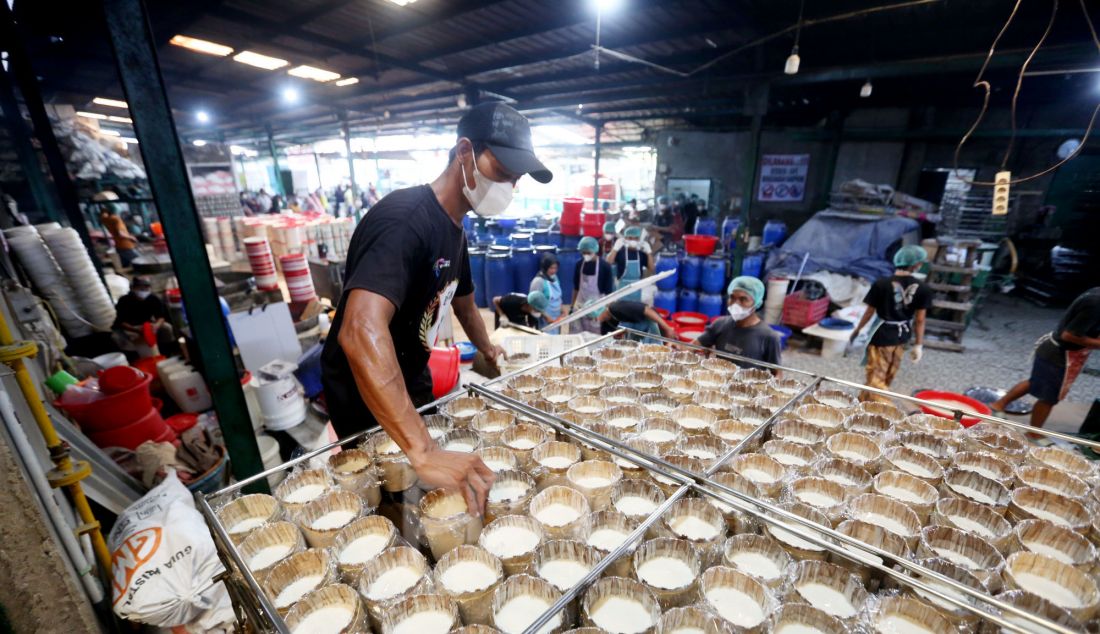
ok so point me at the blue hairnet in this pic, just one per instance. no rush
(633, 232)
(910, 256)
(750, 285)
(537, 300)
(588, 244)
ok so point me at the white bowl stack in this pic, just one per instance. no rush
(47, 276)
(68, 251)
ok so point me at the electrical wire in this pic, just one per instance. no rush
(1020, 82)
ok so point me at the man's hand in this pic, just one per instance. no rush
(916, 352)
(494, 354)
(855, 333)
(458, 471)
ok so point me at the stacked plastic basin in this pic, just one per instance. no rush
(121, 414)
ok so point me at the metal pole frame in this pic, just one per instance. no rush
(136, 55)
(28, 158)
(596, 167)
(351, 161)
(279, 189)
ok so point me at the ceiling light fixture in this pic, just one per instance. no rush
(291, 95)
(385, 114)
(347, 81)
(198, 143)
(90, 115)
(461, 101)
(402, 3)
(866, 89)
(201, 46)
(314, 73)
(793, 60)
(120, 119)
(114, 103)
(202, 116)
(259, 61)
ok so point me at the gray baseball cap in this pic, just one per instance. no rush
(508, 134)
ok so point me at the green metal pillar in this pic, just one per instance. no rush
(28, 158)
(757, 102)
(136, 56)
(275, 161)
(596, 172)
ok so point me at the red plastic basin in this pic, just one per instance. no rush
(696, 244)
(952, 397)
(688, 319)
(150, 427)
(114, 410)
(119, 379)
(689, 335)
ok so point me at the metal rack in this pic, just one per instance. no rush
(246, 591)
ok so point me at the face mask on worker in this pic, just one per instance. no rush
(739, 312)
(589, 257)
(633, 244)
(608, 237)
(488, 198)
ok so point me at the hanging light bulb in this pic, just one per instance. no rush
(865, 89)
(793, 60)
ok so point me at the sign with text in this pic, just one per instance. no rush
(782, 177)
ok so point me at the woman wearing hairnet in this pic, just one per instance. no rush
(592, 280)
(631, 260)
(547, 283)
(893, 302)
(742, 332)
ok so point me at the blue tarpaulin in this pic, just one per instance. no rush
(841, 242)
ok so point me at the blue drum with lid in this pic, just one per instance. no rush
(540, 236)
(477, 274)
(775, 232)
(711, 304)
(521, 239)
(729, 230)
(498, 275)
(525, 266)
(706, 227)
(753, 264)
(688, 301)
(665, 300)
(554, 238)
(691, 269)
(713, 279)
(667, 260)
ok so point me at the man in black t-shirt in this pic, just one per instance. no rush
(519, 309)
(407, 262)
(895, 301)
(135, 309)
(1059, 357)
(636, 315)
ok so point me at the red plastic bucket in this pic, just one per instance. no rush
(952, 397)
(699, 244)
(687, 319)
(443, 364)
(149, 427)
(571, 211)
(592, 223)
(116, 410)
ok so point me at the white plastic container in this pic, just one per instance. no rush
(281, 403)
(189, 391)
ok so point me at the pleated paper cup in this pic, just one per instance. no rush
(422, 614)
(909, 490)
(684, 462)
(685, 358)
(298, 575)
(864, 423)
(974, 518)
(694, 419)
(620, 606)
(551, 460)
(829, 588)
(854, 478)
(1035, 605)
(734, 431)
(927, 444)
(715, 401)
(967, 550)
(613, 371)
(669, 370)
(1058, 542)
(581, 362)
(794, 457)
(617, 395)
(1005, 446)
(829, 419)
(446, 521)
(323, 518)
(396, 574)
(802, 618)
(245, 514)
(475, 629)
(704, 447)
(1031, 503)
(690, 619)
(437, 425)
(886, 410)
(759, 556)
(944, 428)
(662, 432)
(659, 404)
(971, 486)
(469, 575)
(1062, 460)
(872, 535)
(736, 520)
(753, 375)
(914, 463)
(513, 539)
(589, 407)
(838, 399)
(984, 464)
(905, 614)
(594, 479)
(963, 619)
(498, 458)
(737, 598)
(632, 467)
(824, 495)
(858, 448)
(799, 432)
(751, 414)
(727, 369)
(270, 544)
(709, 379)
(609, 353)
(787, 387)
(605, 531)
(520, 600)
(670, 569)
(332, 608)
(657, 349)
(558, 394)
(744, 394)
(636, 499)
(301, 488)
(645, 381)
(788, 533)
(563, 563)
(625, 417)
(554, 374)
(640, 361)
(590, 451)
(763, 471)
(353, 470)
(360, 542)
(463, 409)
(887, 513)
(461, 440)
(1049, 479)
(561, 511)
(700, 523)
(510, 494)
(490, 425)
(527, 384)
(522, 439)
(397, 474)
(1061, 584)
(769, 402)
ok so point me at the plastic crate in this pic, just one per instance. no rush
(522, 351)
(800, 312)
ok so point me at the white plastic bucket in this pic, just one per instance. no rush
(269, 454)
(189, 391)
(281, 403)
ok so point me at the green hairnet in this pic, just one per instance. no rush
(750, 285)
(609, 227)
(909, 256)
(633, 232)
(588, 244)
(537, 300)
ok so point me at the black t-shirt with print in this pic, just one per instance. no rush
(512, 306)
(896, 299)
(408, 250)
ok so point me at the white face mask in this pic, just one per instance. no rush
(488, 198)
(589, 257)
(739, 312)
(142, 294)
(633, 244)
(608, 237)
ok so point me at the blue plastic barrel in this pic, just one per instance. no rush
(567, 264)
(530, 223)
(691, 269)
(666, 260)
(688, 301)
(711, 304)
(706, 227)
(477, 273)
(665, 300)
(502, 240)
(493, 227)
(468, 222)
(508, 225)
(498, 275)
(570, 242)
(554, 237)
(753, 264)
(525, 266)
(713, 278)
(729, 229)
(540, 236)
(775, 232)
(521, 239)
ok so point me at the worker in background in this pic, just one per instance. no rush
(406, 263)
(630, 259)
(133, 311)
(669, 224)
(592, 280)
(634, 315)
(1059, 357)
(742, 332)
(610, 237)
(894, 302)
(519, 309)
(547, 283)
(263, 201)
(125, 242)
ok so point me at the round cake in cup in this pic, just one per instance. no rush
(1034, 604)
(605, 531)
(905, 614)
(824, 495)
(887, 513)
(689, 620)
(298, 575)
(520, 600)
(759, 556)
(670, 568)
(829, 588)
(301, 488)
(270, 544)
(245, 514)
(551, 460)
(800, 618)
(469, 575)
(966, 550)
(790, 534)
(636, 499)
(446, 521)
(510, 494)
(849, 475)
(963, 619)
(871, 535)
(620, 606)
(594, 479)
(1061, 584)
(354, 470)
(513, 539)
(332, 608)
(361, 541)
(421, 614)
(700, 524)
(560, 510)
(324, 517)
(1032, 503)
(911, 491)
(498, 458)
(463, 409)
(974, 518)
(984, 464)
(1058, 542)
(739, 599)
